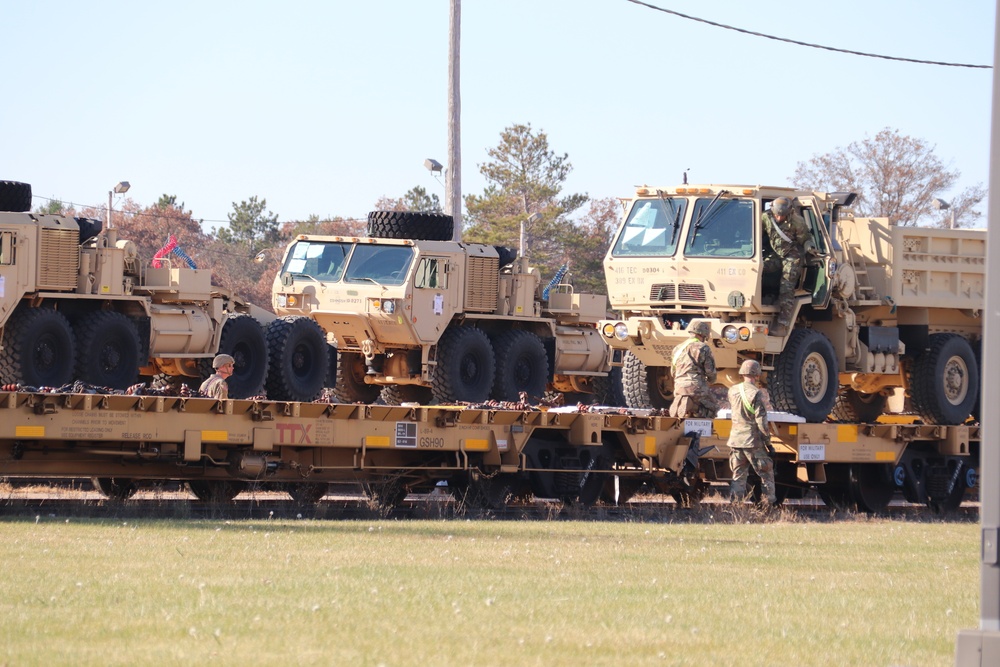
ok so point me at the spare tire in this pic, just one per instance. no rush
(410, 225)
(15, 197)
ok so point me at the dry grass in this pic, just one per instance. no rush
(378, 592)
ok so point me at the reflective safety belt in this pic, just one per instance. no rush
(679, 350)
(777, 228)
(746, 403)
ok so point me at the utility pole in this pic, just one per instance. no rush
(981, 648)
(453, 175)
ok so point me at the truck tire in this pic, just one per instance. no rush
(609, 389)
(409, 225)
(16, 197)
(805, 378)
(646, 387)
(351, 386)
(944, 380)
(38, 349)
(299, 359)
(108, 350)
(857, 407)
(465, 366)
(244, 339)
(397, 394)
(521, 365)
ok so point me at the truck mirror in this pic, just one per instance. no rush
(286, 279)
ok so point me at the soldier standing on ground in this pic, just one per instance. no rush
(215, 386)
(693, 370)
(790, 241)
(750, 438)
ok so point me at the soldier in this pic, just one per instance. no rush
(750, 439)
(790, 241)
(215, 386)
(693, 370)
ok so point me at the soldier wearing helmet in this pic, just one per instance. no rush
(215, 386)
(750, 438)
(790, 241)
(693, 369)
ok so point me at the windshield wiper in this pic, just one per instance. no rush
(677, 218)
(706, 213)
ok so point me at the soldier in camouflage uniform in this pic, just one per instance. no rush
(693, 370)
(790, 241)
(750, 439)
(215, 386)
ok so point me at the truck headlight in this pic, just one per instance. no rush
(615, 330)
(730, 333)
(388, 306)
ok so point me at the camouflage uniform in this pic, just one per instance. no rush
(748, 440)
(693, 369)
(215, 387)
(788, 256)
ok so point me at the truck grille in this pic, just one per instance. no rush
(672, 292)
(482, 289)
(59, 256)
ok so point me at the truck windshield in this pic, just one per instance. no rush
(722, 229)
(652, 228)
(316, 259)
(385, 265)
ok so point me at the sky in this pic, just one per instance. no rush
(324, 107)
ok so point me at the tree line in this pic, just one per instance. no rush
(895, 176)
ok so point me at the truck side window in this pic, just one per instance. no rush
(431, 273)
(7, 248)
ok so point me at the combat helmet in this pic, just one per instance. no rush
(221, 360)
(699, 328)
(750, 367)
(781, 206)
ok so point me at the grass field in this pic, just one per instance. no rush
(400, 593)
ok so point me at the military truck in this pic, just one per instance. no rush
(879, 310)
(76, 302)
(417, 317)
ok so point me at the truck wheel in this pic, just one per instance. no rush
(351, 386)
(115, 488)
(646, 386)
(805, 378)
(410, 225)
(16, 197)
(244, 339)
(855, 406)
(107, 343)
(38, 349)
(465, 366)
(944, 381)
(521, 365)
(609, 389)
(397, 394)
(299, 359)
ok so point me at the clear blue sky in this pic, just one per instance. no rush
(323, 107)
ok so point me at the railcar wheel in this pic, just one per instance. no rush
(307, 493)
(38, 348)
(646, 386)
(245, 340)
(944, 381)
(871, 487)
(116, 488)
(857, 407)
(627, 488)
(299, 359)
(521, 365)
(351, 387)
(804, 381)
(465, 366)
(385, 495)
(216, 490)
(107, 344)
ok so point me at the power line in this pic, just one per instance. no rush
(813, 46)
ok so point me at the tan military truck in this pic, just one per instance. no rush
(419, 317)
(77, 303)
(879, 308)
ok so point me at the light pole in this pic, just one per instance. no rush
(119, 189)
(942, 205)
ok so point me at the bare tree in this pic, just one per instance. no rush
(896, 177)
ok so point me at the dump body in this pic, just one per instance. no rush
(407, 313)
(873, 301)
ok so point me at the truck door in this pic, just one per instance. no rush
(818, 272)
(432, 301)
(10, 295)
